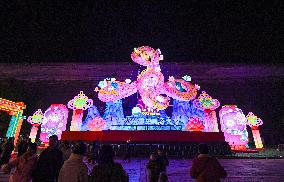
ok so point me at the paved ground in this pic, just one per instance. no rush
(239, 170)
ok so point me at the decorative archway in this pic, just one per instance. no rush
(15, 109)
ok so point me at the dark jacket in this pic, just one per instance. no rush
(22, 148)
(207, 169)
(164, 162)
(7, 151)
(154, 169)
(111, 172)
(48, 166)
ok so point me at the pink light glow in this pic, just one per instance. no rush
(194, 124)
(97, 124)
(55, 120)
(233, 124)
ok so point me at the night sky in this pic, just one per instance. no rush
(97, 31)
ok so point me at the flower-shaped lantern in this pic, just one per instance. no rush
(78, 104)
(36, 119)
(254, 122)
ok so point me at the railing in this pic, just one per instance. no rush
(151, 127)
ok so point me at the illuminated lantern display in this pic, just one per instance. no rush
(206, 103)
(194, 124)
(54, 122)
(15, 109)
(254, 122)
(97, 124)
(233, 124)
(111, 90)
(36, 119)
(150, 83)
(78, 104)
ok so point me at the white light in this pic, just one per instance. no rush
(102, 84)
(127, 80)
(186, 78)
(136, 110)
(160, 98)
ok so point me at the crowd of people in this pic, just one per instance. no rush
(66, 162)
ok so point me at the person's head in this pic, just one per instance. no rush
(153, 156)
(11, 140)
(32, 148)
(80, 148)
(53, 141)
(106, 154)
(26, 138)
(66, 144)
(160, 151)
(203, 148)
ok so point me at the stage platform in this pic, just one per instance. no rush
(120, 136)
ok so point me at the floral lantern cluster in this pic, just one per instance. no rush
(194, 124)
(97, 124)
(207, 104)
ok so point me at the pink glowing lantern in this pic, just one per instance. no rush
(97, 124)
(194, 124)
(55, 120)
(254, 122)
(233, 124)
(78, 104)
(36, 119)
(206, 103)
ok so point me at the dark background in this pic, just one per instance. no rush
(96, 31)
(219, 32)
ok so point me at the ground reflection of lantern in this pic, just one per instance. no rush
(233, 124)
(55, 120)
(36, 119)
(78, 104)
(194, 124)
(254, 122)
(97, 124)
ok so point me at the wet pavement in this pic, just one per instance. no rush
(239, 170)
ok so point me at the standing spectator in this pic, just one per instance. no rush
(163, 160)
(49, 162)
(8, 147)
(205, 167)
(23, 145)
(127, 155)
(163, 177)
(154, 168)
(25, 164)
(74, 169)
(95, 150)
(107, 170)
(65, 149)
